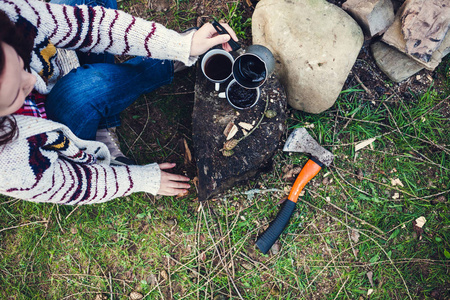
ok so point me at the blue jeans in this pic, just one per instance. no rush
(93, 95)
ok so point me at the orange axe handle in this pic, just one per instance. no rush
(276, 227)
(308, 172)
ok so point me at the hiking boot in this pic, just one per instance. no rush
(178, 66)
(108, 137)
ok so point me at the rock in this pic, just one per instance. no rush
(394, 37)
(374, 16)
(395, 64)
(315, 44)
(424, 26)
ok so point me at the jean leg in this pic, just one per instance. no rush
(91, 94)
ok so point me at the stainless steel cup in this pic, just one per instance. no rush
(252, 68)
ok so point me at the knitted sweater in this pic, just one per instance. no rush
(48, 163)
(90, 29)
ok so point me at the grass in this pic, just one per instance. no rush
(351, 234)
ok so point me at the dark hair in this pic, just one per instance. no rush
(15, 37)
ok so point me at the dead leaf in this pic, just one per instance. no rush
(275, 291)
(282, 200)
(73, 230)
(136, 296)
(292, 173)
(275, 248)
(360, 174)
(182, 194)
(100, 297)
(164, 275)
(370, 292)
(354, 235)
(396, 181)
(286, 168)
(396, 196)
(418, 230)
(370, 277)
(187, 153)
(364, 144)
(152, 279)
(195, 182)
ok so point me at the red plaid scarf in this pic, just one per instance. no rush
(34, 105)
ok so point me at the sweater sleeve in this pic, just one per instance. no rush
(98, 30)
(39, 175)
(46, 163)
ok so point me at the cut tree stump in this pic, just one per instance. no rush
(211, 115)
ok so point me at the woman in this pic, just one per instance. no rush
(56, 159)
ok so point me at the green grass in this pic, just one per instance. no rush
(352, 231)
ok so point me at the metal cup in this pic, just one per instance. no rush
(240, 97)
(217, 66)
(252, 68)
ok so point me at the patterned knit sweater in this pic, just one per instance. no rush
(90, 29)
(47, 162)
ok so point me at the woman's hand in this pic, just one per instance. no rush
(207, 37)
(172, 184)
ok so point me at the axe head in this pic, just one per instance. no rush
(301, 141)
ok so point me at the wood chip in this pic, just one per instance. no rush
(364, 144)
(227, 129)
(246, 126)
(232, 133)
(136, 296)
(420, 221)
(354, 235)
(187, 151)
(396, 181)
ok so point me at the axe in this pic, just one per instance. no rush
(298, 141)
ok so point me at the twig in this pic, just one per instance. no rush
(168, 276)
(110, 287)
(343, 285)
(349, 214)
(76, 207)
(390, 260)
(217, 250)
(58, 217)
(350, 240)
(362, 84)
(22, 225)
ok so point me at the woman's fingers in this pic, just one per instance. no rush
(207, 37)
(172, 184)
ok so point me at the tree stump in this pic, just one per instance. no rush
(212, 114)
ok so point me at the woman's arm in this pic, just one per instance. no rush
(96, 29)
